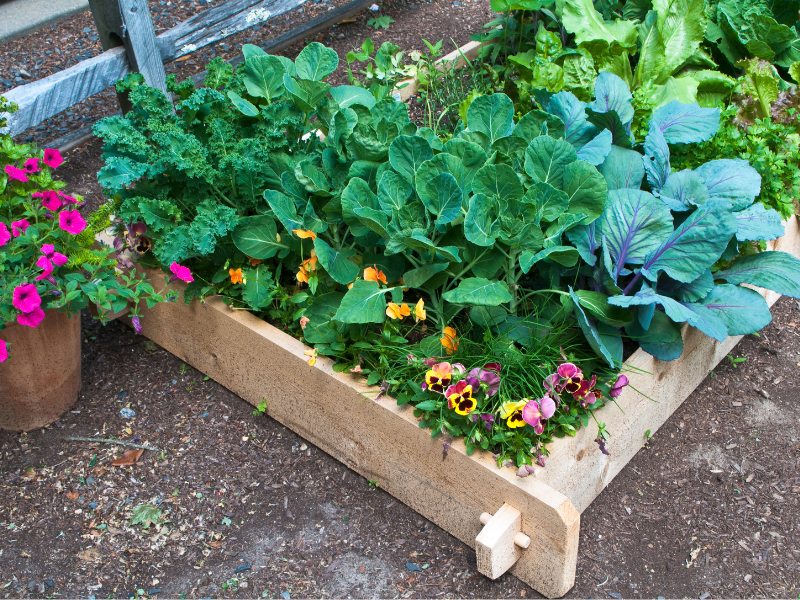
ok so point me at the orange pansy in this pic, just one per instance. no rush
(449, 340)
(236, 275)
(393, 311)
(304, 234)
(373, 274)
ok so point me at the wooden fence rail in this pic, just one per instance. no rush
(141, 51)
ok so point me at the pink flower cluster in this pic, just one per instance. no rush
(52, 158)
(29, 303)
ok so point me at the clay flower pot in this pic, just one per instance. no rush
(42, 378)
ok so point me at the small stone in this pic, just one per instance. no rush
(90, 480)
(31, 585)
(285, 595)
(413, 567)
(49, 583)
(127, 413)
(154, 591)
(747, 578)
(303, 447)
(242, 568)
(92, 505)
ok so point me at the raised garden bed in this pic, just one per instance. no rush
(383, 442)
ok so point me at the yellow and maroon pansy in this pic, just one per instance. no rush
(438, 378)
(459, 398)
(512, 413)
(571, 377)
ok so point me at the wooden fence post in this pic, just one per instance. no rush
(128, 23)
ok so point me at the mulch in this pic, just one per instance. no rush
(246, 508)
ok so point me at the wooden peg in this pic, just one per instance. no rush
(501, 541)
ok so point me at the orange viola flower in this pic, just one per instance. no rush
(255, 261)
(374, 274)
(304, 234)
(305, 269)
(449, 340)
(312, 354)
(236, 275)
(393, 311)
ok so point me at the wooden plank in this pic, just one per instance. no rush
(409, 87)
(377, 439)
(219, 22)
(578, 469)
(139, 38)
(495, 549)
(42, 99)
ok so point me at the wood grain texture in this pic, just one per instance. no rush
(219, 22)
(409, 87)
(377, 439)
(42, 99)
(578, 469)
(139, 38)
(495, 549)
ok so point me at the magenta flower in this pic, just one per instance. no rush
(15, 173)
(19, 227)
(615, 390)
(26, 298)
(179, 272)
(4, 234)
(3, 350)
(488, 420)
(71, 221)
(430, 362)
(49, 251)
(137, 326)
(489, 376)
(572, 377)
(540, 459)
(601, 441)
(548, 406)
(31, 319)
(50, 199)
(532, 415)
(52, 158)
(526, 470)
(68, 198)
(32, 165)
(552, 384)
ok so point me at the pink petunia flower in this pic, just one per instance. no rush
(4, 234)
(58, 259)
(50, 199)
(179, 272)
(68, 198)
(19, 227)
(15, 173)
(31, 319)
(52, 158)
(32, 165)
(3, 351)
(71, 221)
(26, 298)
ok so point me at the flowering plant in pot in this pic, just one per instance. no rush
(49, 264)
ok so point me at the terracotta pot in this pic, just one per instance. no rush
(42, 377)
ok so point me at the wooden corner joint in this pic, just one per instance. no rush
(501, 541)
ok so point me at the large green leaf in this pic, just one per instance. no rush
(498, 180)
(480, 225)
(258, 289)
(477, 291)
(245, 107)
(536, 123)
(597, 304)
(258, 237)
(580, 18)
(284, 210)
(348, 95)
(758, 224)
(681, 25)
(742, 310)
(776, 271)
(623, 168)
(566, 256)
(264, 76)
(316, 62)
(733, 180)
(365, 302)
(443, 198)
(442, 163)
(320, 329)
(586, 189)
(393, 192)
(336, 263)
(306, 94)
(663, 339)
(492, 116)
(358, 195)
(546, 160)
(651, 53)
(593, 336)
(548, 202)
(407, 153)
(416, 278)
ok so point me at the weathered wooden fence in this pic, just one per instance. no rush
(130, 43)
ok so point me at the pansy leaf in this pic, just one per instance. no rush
(480, 224)
(611, 121)
(695, 245)
(443, 198)
(593, 336)
(612, 94)
(586, 189)
(477, 291)
(336, 263)
(756, 223)
(776, 271)
(684, 190)
(572, 112)
(634, 224)
(498, 180)
(407, 153)
(596, 151)
(546, 159)
(731, 179)
(685, 123)
(623, 168)
(662, 339)
(491, 115)
(742, 310)
(365, 302)
(257, 237)
(656, 159)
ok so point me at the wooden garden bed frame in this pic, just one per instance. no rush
(383, 441)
